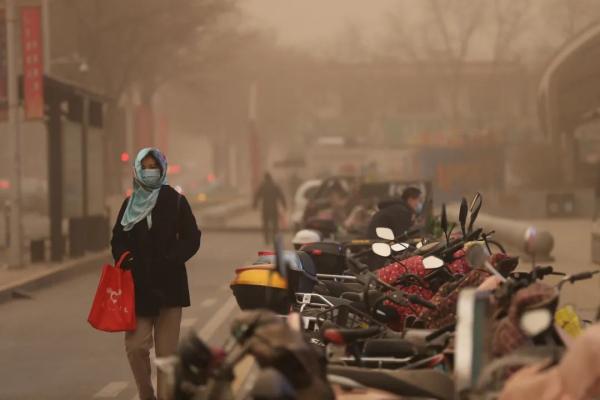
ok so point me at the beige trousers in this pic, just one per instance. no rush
(165, 329)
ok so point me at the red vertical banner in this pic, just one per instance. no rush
(3, 69)
(33, 70)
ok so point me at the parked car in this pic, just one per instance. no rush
(360, 189)
(304, 193)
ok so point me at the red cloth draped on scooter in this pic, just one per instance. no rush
(414, 265)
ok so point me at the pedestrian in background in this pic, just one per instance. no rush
(157, 226)
(397, 214)
(271, 197)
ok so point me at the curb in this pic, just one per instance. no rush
(55, 274)
(514, 233)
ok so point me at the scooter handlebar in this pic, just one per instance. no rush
(408, 233)
(541, 272)
(582, 276)
(418, 300)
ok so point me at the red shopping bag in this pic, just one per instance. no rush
(113, 309)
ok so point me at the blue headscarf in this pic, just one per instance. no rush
(144, 196)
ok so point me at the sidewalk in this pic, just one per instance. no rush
(248, 221)
(243, 220)
(21, 282)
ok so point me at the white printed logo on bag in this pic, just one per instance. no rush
(113, 302)
(114, 294)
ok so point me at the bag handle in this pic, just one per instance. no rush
(122, 258)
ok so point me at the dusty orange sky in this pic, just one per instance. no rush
(308, 21)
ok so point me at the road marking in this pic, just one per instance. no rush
(208, 302)
(225, 288)
(188, 322)
(209, 329)
(111, 390)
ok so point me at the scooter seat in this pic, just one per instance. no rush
(348, 335)
(429, 384)
(337, 288)
(417, 335)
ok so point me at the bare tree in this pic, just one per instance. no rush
(133, 43)
(455, 24)
(349, 46)
(138, 41)
(579, 13)
(509, 19)
(441, 36)
(449, 33)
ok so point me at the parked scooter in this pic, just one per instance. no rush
(289, 367)
(521, 328)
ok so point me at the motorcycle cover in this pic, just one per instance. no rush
(446, 297)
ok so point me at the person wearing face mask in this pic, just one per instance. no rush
(158, 229)
(397, 214)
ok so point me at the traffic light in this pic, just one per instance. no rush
(174, 169)
(125, 157)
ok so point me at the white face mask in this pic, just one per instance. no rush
(419, 207)
(151, 177)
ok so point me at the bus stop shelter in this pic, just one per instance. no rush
(74, 122)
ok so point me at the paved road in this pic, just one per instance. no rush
(48, 351)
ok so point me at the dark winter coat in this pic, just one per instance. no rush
(271, 196)
(394, 214)
(160, 253)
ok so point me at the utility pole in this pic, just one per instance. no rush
(16, 227)
(254, 137)
(46, 36)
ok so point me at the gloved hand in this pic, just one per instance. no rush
(127, 264)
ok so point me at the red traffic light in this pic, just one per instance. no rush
(174, 169)
(124, 156)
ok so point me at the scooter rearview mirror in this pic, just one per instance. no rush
(462, 216)
(475, 207)
(381, 249)
(385, 233)
(397, 247)
(444, 221)
(534, 322)
(476, 256)
(433, 262)
(476, 202)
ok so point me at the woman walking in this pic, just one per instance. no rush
(157, 226)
